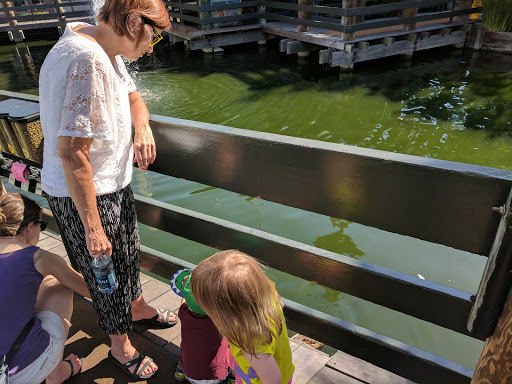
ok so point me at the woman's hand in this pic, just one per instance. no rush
(144, 146)
(97, 243)
(143, 141)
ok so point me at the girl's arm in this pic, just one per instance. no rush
(280, 300)
(265, 366)
(48, 263)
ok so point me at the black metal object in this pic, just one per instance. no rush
(438, 304)
(496, 281)
(379, 350)
(434, 200)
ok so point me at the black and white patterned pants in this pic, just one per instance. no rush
(119, 220)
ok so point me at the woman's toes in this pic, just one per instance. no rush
(75, 360)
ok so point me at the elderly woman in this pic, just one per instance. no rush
(36, 288)
(88, 105)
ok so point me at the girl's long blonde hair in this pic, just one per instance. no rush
(232, 289)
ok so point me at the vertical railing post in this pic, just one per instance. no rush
(495, 364)
(62, 18)
(464, 4)
(351, 20)
(304, 16)
(406, 13)
(496, 281)
(15, 34)
(204, 15)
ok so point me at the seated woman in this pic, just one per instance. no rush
(34, 284)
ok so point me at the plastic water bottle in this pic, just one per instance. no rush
(103, 268)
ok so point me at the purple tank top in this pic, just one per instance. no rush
(19, 284)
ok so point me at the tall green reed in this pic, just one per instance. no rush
(497, 15)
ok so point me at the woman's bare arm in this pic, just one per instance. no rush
(48, 263)
(74, 152)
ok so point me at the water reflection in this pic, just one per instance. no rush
(338, 241)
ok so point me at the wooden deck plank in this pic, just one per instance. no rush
(49, 243)
(308, 362)
(144, 278)
(362, 370)
(153, 289)
(60, 250)
(330, 376)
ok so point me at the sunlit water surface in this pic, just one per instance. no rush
(452, 107)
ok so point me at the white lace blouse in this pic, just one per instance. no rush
(82, 95)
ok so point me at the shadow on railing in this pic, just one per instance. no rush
(462, 206)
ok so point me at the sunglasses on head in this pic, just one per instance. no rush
(156, 37)
(157, 33)
(43, 224)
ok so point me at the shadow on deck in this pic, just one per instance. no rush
(86, 339)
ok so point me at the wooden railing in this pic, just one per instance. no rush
(17, 19)
(347, 19)
(463, 206)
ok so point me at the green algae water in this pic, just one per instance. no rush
(447, 106)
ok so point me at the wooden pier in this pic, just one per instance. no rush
(163, 345)
(343, 34)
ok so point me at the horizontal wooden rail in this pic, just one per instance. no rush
(391, 7)
(217, 7)
(380, 23)
(213, 7)
(37, 7)
(382, 351)
(434, 200)
(192, 19)
(310, 23)
(47, 16)
(435, 303)
(245, 16)
(187, 6)
(306, 8)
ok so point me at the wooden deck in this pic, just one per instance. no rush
(312, 366)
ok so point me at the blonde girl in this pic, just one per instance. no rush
(245, 307)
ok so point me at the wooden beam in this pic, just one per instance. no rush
(495, 364)
(227, 39)
(294, 47)
(283, 44)
(391, 48)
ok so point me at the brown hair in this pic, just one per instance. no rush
(16, 212)
(152, 12)
(241, 301)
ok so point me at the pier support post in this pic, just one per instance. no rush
(304, 16)
(495, 363)
(351, 20)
